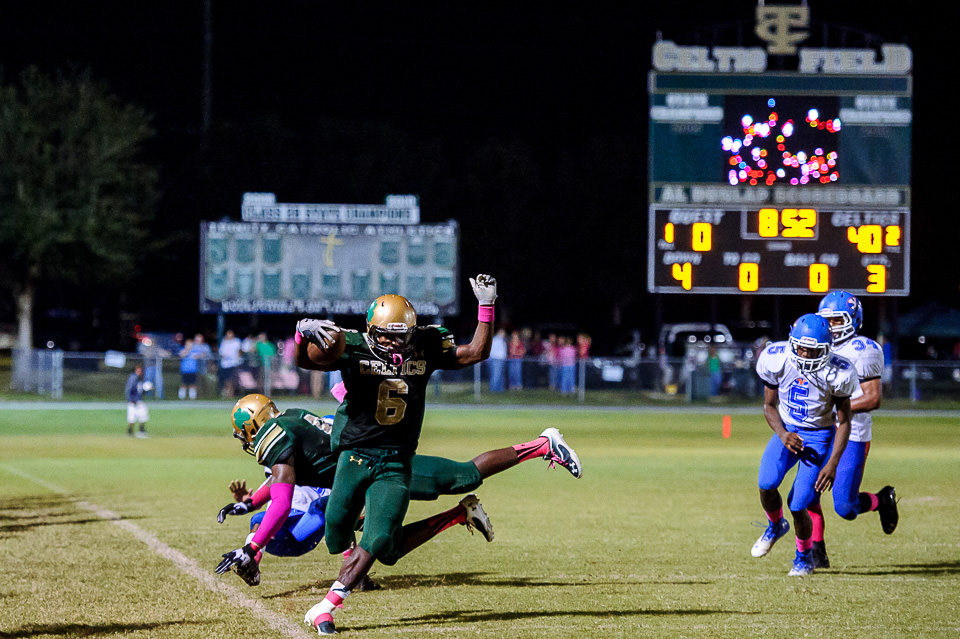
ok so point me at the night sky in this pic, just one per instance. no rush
(527, 124)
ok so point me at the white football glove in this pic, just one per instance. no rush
(485, 288)
(317, 331)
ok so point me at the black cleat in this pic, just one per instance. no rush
(367, 584)
(820, 559)
(326, 628)
(887, 507)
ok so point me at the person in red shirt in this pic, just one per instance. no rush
(516, 350)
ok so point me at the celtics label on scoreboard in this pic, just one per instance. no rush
(777, 251)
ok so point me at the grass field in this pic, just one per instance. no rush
(102, 535)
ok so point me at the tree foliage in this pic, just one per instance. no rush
(75, 196)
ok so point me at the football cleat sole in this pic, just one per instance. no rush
(476, 517)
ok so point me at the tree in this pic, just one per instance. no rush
(75, 197)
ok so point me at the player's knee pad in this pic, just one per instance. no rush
(846, 509)
(384, 548)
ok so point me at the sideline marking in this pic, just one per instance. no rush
(185, 564)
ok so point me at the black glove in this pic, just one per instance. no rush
(236, 508)
(249, 573)
(241, 557)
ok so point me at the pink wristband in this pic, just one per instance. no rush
(485, 314)
(339, 392)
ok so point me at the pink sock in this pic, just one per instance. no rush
(816, 516)
(804, 545)
(439, 523)
(537, 448)
(874, 500)
(775, 515)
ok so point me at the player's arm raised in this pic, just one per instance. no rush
(485, 289)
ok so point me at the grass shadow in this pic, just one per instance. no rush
(925, 569)
(90, 630)
(403, 582)
(481, 616)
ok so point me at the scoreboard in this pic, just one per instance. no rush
(782, 183)
(780, 250)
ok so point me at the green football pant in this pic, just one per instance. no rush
(382, 486)
(435, 476)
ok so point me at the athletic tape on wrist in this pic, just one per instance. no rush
(485, 313)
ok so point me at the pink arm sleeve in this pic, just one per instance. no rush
(261, 495)
(281, 496)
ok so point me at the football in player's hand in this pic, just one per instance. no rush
(328, 351)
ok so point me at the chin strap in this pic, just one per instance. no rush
(397, 359)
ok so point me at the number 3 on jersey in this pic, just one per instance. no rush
(390, 407)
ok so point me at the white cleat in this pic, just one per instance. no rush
(477, 517)
(561, 453)
(324, 627)
(775, 530)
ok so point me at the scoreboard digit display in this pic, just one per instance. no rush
(783, 183)
(779, 250)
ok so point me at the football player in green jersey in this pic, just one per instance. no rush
(377, 427)
(294, 445)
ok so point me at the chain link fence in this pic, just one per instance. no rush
(58, 374)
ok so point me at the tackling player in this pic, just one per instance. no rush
(301, 439)
(804, 383)
(845, 314)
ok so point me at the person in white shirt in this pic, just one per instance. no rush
(231, 356)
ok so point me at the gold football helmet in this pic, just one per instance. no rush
(391, 322)
(249, 414)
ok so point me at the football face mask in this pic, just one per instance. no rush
(846, 307)
(249, 414)
(810, 340)
(391, 322)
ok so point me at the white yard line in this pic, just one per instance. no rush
(186, 565)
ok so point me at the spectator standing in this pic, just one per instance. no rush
(499, 350)
(188, 371)
(230, 352)
(550, 359)
(266, 352)
(137, 413)
(567, 363)
(204, 355)
(716, 371)
(516, 350)
(583, 345)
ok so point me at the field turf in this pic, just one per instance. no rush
(102, 535)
